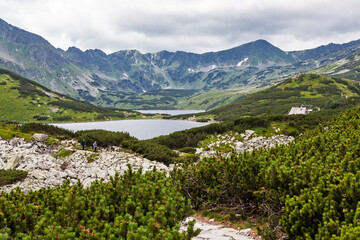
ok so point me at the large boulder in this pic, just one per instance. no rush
(13, 162)
(40, 137)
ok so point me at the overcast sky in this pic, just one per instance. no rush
(188, 25)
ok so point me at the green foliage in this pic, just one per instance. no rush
(310, 187)
(202, 120)
(131, 206)
(11, 176)
(75, 105)
(25, 100)
(187, 150)
(331, 104)
(63, 153)
(93, 157)
(308, 89)
(151, 150)
(188, 158)
(47, 129)
(40, 117)
(102, 137)
(10, 130)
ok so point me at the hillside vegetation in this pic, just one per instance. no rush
(308, 189)
(24, 100)
(135, 205)
(316, 91)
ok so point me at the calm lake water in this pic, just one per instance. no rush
(139, 128)
(170, 112)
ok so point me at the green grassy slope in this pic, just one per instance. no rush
(24, 100)
(305, 89)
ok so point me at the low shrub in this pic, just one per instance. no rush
(151, 150)
(63, 153)
(60, 133)
(102, 137)
(93, 157)
(190, 158)
(202, 120)
(63, 118)
(41, 117)
(11, 176)
(188, 150)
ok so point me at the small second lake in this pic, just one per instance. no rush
(171, 112)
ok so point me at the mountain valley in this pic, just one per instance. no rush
(131, 79)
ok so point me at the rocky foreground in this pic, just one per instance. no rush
(44, 170)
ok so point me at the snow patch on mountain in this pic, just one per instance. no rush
(242, 62)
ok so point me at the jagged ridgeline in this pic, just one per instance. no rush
(312, 90)
(310, 188)
(132, 206)
(24, 100)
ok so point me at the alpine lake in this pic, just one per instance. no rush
(140, 128)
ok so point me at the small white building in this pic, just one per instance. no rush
(300, 110)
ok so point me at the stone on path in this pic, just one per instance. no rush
(215, 232)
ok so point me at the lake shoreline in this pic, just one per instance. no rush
(139, 128)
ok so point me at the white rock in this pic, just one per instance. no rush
(40, 137)
(13, 162)
(62, 174)
(102, 174)
(249, 132)
(40, 175)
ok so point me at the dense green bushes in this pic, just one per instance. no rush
(151, 150)
(47, 129)
(11, 176)
(102, 137)
(311, 187)
(131, 206)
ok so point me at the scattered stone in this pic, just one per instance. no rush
(250, 142)
(40, 137)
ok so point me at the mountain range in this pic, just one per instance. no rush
(131, 79)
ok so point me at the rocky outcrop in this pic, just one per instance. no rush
(240, 143)
(47, 171)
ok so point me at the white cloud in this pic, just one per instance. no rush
(188, 25)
